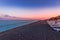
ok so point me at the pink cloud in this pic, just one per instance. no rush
(8, 17)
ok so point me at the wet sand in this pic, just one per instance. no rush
(36, 31)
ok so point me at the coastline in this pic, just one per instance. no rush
(14, 25)
(39, 30)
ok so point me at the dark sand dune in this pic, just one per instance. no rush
(36, 31)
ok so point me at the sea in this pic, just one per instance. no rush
(10, 24)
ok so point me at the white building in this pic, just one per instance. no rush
(55, 24)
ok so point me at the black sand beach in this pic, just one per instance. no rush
(36, 31)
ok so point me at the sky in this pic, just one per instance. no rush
(31, 9)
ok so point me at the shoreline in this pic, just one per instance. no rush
(39, 30)
(12, 26)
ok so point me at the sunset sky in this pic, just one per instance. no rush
(32, 9)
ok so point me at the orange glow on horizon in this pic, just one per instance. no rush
(44, 13)
(46, 16)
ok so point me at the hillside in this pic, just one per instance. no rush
(54, 18)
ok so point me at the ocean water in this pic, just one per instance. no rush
(10, 24)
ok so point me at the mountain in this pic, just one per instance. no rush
(54, 18)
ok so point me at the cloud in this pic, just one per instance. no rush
(8, 17)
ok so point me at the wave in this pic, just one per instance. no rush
(7, 25)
